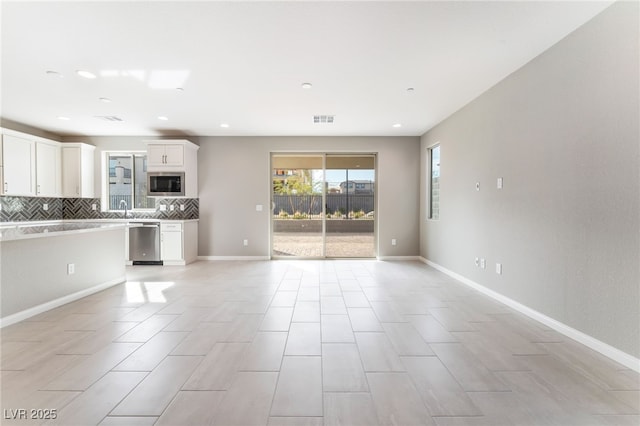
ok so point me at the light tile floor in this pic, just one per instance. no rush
(302, 343)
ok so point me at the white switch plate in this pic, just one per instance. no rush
(483, 263)
(163, 207)
(499, 268)
(45, 206)
(94, 206)
(71, 268)
(394, 242)
(172, 207)
(499, 183)
(245, 243)
(258, 207)
(181, 207)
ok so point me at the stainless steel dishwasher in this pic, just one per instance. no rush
(144, 243)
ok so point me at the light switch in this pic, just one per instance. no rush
(477, 186)
(258, 207)
(483, 263)
(499, 268)
(499, 183)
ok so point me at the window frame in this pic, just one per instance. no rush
(106, 180)
(429, 178)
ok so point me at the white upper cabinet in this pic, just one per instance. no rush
(19, 165)
(177, 155)
(163, 155)
(78, 166)
(48, 169)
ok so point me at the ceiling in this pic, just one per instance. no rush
(243, 63)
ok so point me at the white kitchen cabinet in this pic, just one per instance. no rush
(175, 155)
(19, 166)
(178, 242)
(77, 170)
(48, 169)
(165, 155)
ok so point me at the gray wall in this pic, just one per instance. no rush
(563, 132)
(234, 176)
(42, 264)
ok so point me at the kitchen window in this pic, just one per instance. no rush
(127, 178)
(434, 182)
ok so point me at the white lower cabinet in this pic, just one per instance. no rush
(178, 242)
(171, 242)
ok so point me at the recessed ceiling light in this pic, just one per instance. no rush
(307, 85)
(61, 117)
(397, 125)
(52, 73)
(224, 125)
(105, 100)
(163, 118)
(86, 74)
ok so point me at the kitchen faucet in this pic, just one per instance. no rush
(125, 208)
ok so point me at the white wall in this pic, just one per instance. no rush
(563, 132)
(234, 176)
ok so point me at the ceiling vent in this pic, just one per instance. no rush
(323, 119)
(108, 118)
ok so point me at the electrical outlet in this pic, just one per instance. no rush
(181, 207)
(483, 263)
(499, 268)
(172, 207)
(45, 207)
(477, 261)
(163, 207)
(258, 207)
(394, 242)
(71, 268)
(499, 183)
(94, 207)
(245, 243)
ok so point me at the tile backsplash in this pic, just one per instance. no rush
(22, 209)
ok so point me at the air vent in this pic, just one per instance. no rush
(108, 118)
(323, 119)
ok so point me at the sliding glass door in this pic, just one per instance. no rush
(297, 201)
(350, 205)
(323, 205)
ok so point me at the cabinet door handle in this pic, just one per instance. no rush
(6, 186)
(38, 190)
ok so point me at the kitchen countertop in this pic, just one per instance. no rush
(10, 231)
(38, 230)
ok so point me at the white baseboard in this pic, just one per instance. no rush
(30, 312)
(399, 258)
(605, 349)
(234, 258)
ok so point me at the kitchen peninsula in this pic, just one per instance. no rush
(43, 266)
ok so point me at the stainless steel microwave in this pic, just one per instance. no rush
(165, 184)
